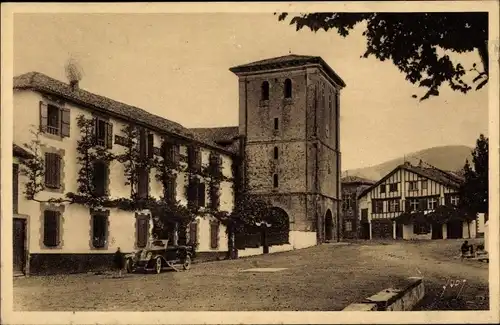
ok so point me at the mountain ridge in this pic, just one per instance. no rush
(449, 158)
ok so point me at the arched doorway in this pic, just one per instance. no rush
(278, 232)
(328, 225)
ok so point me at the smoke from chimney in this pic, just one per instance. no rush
(74, 73)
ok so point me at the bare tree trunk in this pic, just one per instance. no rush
(483, 54)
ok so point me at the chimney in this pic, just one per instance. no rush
(73, 84)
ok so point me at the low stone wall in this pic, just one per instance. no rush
(403, 296)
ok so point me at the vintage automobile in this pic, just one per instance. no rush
(158, 255)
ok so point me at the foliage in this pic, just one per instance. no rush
(474, 191)
(412, 41)
(33, 167)
(130, 158)
(87, 154)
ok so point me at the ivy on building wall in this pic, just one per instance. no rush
(248, 210)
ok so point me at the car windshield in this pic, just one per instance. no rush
(157, 244)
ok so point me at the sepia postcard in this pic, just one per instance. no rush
(250, 163)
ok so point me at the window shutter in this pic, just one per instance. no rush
(214, 235)
(94, 140)
(193, 233)
(65, 122)
(176, 155)
(44, 113)
(214, 197)
(150, 145)
(198, 159)
(51, 231)
(15, 187)
(109, 135)
(49, 173)
(57, 170)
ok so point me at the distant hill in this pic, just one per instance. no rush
(450, 158)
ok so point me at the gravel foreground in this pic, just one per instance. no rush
(321, 278)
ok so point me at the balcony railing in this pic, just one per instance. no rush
(52, 130)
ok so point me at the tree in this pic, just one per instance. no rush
(474, 190)
(412, 40)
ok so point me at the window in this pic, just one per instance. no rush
(15, 187)
(142, 231)
(171, 153)
(170, 193)
(194, 158)
(151, 141)
(393, 187)
(214, 235)
(53, 123)
(393, 205)
(193, 233)
(215, 164)
(382, 188)
(421, 228)
(276, 124)
(103, 133)
(193, 188)
(275, 180)
(431, 203)
(275, 152)
(201, 194)
(454, 200)
(414, 204)
(54, 120)
(413, 186)
(288, 88)
(100, 178)
(51, 228)
(99, 229)
(52, 170)
(348, 225)
(378, 206)
(346, 202)
(424, 184)
(265, 90)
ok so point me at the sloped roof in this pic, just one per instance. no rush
(434, 174)
(218, 134)
(291, 60)
(43, 83)
(437, 175)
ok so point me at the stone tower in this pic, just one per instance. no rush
(289, 120)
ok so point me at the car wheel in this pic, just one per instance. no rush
(158, 265)
(187, 262)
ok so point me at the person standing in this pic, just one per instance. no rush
(119, 261)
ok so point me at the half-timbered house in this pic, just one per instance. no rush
(406, 204)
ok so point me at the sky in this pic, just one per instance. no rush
(177, 66)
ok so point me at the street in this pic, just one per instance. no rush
(321, 278)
